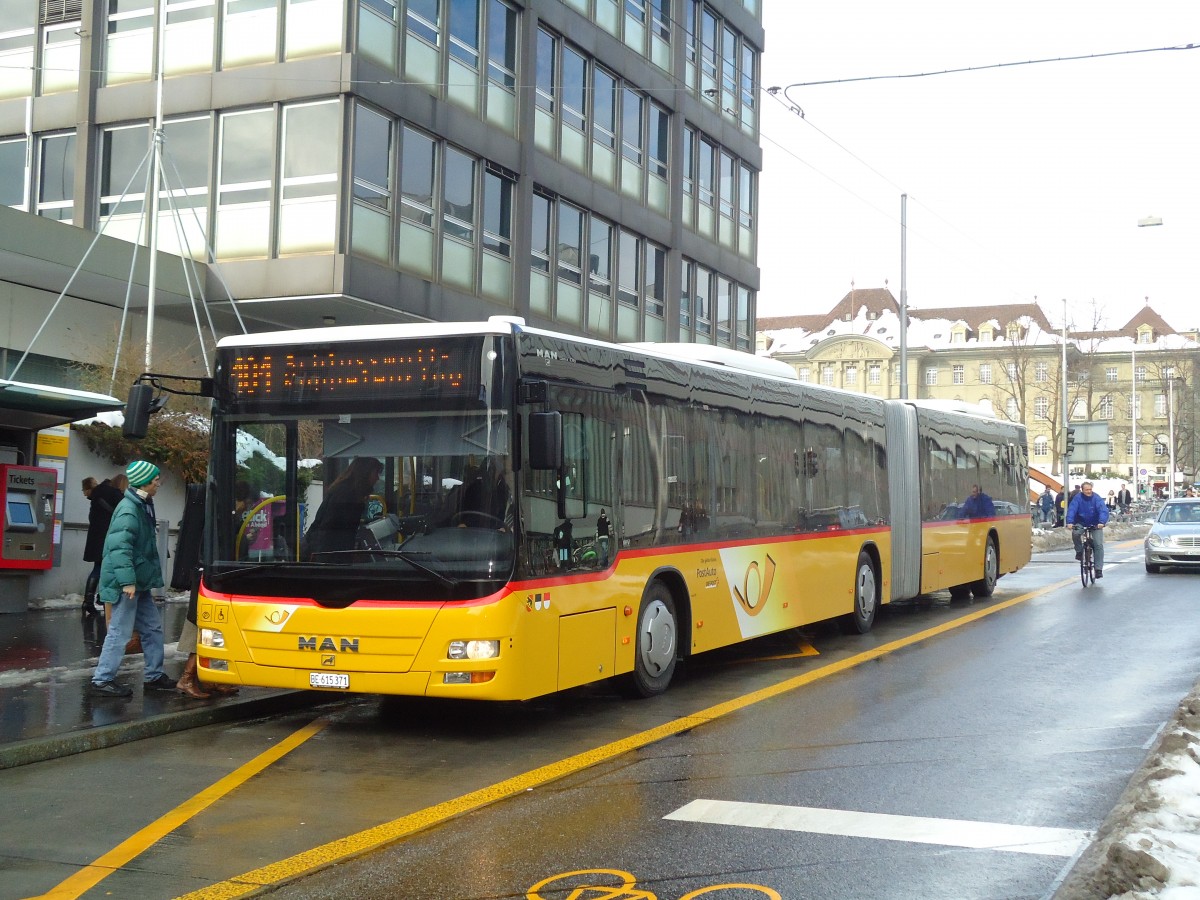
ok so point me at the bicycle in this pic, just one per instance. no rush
(1087, 559)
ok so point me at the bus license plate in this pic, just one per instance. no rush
(328, 680)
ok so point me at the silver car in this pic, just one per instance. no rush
(1174, 538)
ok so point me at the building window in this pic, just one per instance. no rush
(1110, 373)
(309, 179)
(873, 373)
(1041, 445)
(60, 57)
(56, 177)
(1139, 374)
(1107, 408)
(123, 168)
(459, 200)
(245, 184)
(827, 375)
(1041, 372)
(18, 48)
(1145, 336)
(496, 277)
(1041, 407)
(1011, 409)
(14, 176)
(1160, 446)
(851, 376)
(1010, 371)
(985, 373)
(805, 374)
(958, 375)
(371, 212)
(250, 32)
(377, 31)
(931, 375)
(1160, 406)
(129, 42)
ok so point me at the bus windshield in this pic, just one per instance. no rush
(405, 505)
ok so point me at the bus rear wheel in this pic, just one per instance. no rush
(866, 596)
(986, 586)
(655, 644)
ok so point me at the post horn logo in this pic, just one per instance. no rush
(756, 586)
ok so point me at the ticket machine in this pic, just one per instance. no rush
(27, 495)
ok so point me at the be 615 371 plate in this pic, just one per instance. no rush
(329, 680)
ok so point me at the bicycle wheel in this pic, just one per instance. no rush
(1087, 566)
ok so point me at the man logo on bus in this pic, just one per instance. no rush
(327, 645)
(756, 588)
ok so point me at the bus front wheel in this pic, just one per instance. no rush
(655, 644)
(986, 586)
(866, 596)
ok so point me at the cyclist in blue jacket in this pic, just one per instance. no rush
(1088, 510)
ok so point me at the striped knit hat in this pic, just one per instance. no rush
(140, 473)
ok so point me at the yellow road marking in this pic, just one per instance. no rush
(91, 875)
(390, 832)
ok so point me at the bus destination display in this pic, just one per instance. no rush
(281, 374)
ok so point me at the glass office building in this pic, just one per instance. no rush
(591, 165)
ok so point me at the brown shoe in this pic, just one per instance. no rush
(188, 683)
(189, 686)
(134, 645)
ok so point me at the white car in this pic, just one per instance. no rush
(1174, 538)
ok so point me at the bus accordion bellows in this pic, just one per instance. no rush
(494, 511)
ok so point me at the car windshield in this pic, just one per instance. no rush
(1179, 513)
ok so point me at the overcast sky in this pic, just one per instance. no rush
(1022, 181)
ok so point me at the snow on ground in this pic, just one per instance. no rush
(1149, 847)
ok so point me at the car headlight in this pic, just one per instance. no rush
(1154, 539)
(473, 649)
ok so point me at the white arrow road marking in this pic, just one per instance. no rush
(880, 826)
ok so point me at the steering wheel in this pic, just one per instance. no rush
(458, 517)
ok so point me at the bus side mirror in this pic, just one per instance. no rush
(545, 440)
(137, 411)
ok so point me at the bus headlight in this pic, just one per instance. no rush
(473, 650)
(212, 637)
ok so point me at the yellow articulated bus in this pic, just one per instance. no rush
(494, 511)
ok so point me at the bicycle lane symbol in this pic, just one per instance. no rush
(615, 884)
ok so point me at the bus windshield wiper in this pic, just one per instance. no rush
(402, 555)
(235, 573)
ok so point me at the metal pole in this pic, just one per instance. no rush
(1133, 417)
(1065, 458)
(1171, 433)
(904, 296)
(155, 169)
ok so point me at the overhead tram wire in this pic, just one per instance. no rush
(1026, 62)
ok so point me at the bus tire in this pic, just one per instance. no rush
(986, 586)
(866, 596)
(655, 644)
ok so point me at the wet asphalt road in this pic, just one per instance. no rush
(1036, 715)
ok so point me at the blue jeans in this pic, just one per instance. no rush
(138, 613)
(1097, 542)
